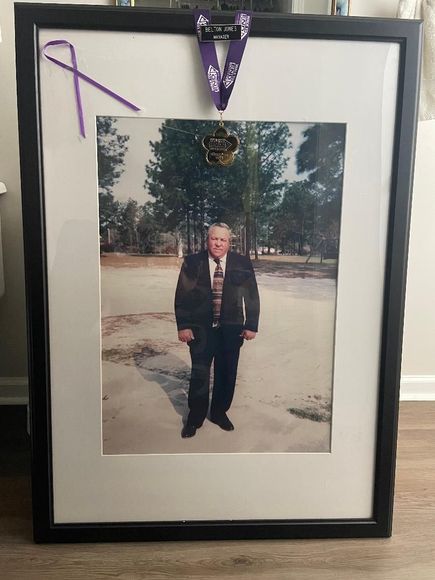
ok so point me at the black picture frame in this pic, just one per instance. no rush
(30, 19)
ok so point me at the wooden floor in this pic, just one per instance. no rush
(408, 555)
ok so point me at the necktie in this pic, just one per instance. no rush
(218, 284)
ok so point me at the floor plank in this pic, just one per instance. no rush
(408, 554)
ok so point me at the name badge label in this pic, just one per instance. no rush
(216, 32)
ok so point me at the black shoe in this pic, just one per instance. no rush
(188, 431)
(223, 422)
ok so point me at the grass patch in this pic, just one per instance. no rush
(319, 414)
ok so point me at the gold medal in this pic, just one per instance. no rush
(220, 146)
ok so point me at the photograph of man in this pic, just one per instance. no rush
(217, 307)
(282, 200)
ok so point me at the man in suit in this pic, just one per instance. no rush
(216, 307)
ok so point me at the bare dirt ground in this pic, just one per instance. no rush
(283, 394)
(286, 266)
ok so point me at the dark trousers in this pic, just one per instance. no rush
(222, 345)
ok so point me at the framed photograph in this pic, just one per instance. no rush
(340, 8)
(214, 350)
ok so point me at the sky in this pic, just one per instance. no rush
(143, 130)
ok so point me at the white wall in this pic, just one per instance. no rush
(419, 341)
(13, 357)
(418, 363)
(313, 7)
(379, 8)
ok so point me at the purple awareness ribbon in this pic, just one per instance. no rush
(221, 86)
(78, 74)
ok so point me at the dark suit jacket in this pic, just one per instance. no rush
(193, 298)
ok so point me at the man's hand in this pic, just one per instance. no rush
(248, 334)
(185, 335)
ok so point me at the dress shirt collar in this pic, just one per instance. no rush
(223, 260)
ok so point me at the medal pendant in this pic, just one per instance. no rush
(220, 147)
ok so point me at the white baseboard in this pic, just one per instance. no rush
(417, 388)
(14, 391)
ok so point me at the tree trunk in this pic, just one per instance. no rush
(255, 238)
(202, 227)
(247, 234)
(189, 247)
(195, 237)
(195, 226)
(253, 179)
(251, 184)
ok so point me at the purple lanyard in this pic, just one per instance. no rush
(78, 74)
(221, 87)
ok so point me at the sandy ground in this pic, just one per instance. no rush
(283, 391)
